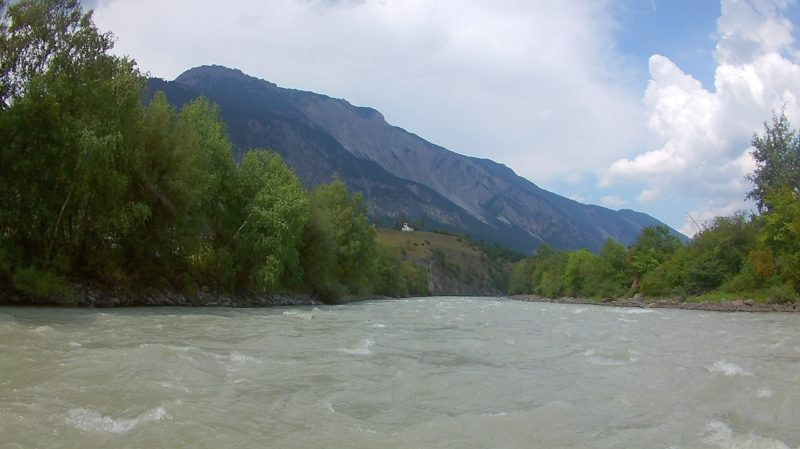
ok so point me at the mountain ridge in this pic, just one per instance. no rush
(401, 174)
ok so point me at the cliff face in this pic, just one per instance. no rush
(400, 174)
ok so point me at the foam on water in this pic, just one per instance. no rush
(601, 358)
(92, 420)
(361, 348)
(174, 386)
(764, 393)
(728, 369)
(74, 344)
(307, 315)
(720, 435)
(633, 311)
(238, 357)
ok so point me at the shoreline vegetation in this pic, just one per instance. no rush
(753, 258)
(638, 301)
(104, 297)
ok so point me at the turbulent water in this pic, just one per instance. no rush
(428, 373)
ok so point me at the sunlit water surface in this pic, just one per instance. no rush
(428, 373)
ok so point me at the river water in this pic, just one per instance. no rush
(426, 373)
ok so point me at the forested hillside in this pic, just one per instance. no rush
(454, 264)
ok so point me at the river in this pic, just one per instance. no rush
(421, 373)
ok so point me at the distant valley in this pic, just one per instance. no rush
(403, 177)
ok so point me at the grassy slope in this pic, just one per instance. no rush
(455, 266)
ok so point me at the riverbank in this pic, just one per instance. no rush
(104, 297)
(739, 305)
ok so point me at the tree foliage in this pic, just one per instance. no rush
(777, 157)
(97, 187)
(339, 240)
(70, 114)
(273, 212)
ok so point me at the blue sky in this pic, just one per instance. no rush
(640, 104)
(680, 29)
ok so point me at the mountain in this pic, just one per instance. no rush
(402, 176)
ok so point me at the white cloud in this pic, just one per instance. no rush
(535, 85)
(577, 197)
(648, 196)
(612, 201)
(700, 139)
(703, 216)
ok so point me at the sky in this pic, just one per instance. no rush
(638, 104)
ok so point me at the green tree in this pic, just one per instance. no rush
(579, 273)
(183, 175)
(274, 209)
(608, 278)
(547, 277)
(781, 234)
(521, 279)
(719, 252)
(45, 36)
(777, 157)
(776, 180)
(654, 245)
(69, 112)
(341, 247)
(395, 277)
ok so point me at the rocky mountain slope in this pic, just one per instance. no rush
(401, 174)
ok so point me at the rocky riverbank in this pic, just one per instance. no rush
(747, 305)
(88, 296)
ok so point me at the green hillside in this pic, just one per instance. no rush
(455, 265)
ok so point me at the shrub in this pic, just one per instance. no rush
(43, 285)
(781, 294)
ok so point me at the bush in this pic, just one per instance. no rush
(781, 294)
(746, 280)
(43, 286)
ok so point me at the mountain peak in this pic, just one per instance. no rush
(215, 73)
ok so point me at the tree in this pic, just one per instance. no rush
(781, 233)
(578, 273)
(182, 176)
(654, 245)
(68, 115)
(547, 277)
(395, 277)
(776, 191)
(274, 211)
(340, 245)
(609, 279)
(777, 157)
(521, 277)
(41, 36)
